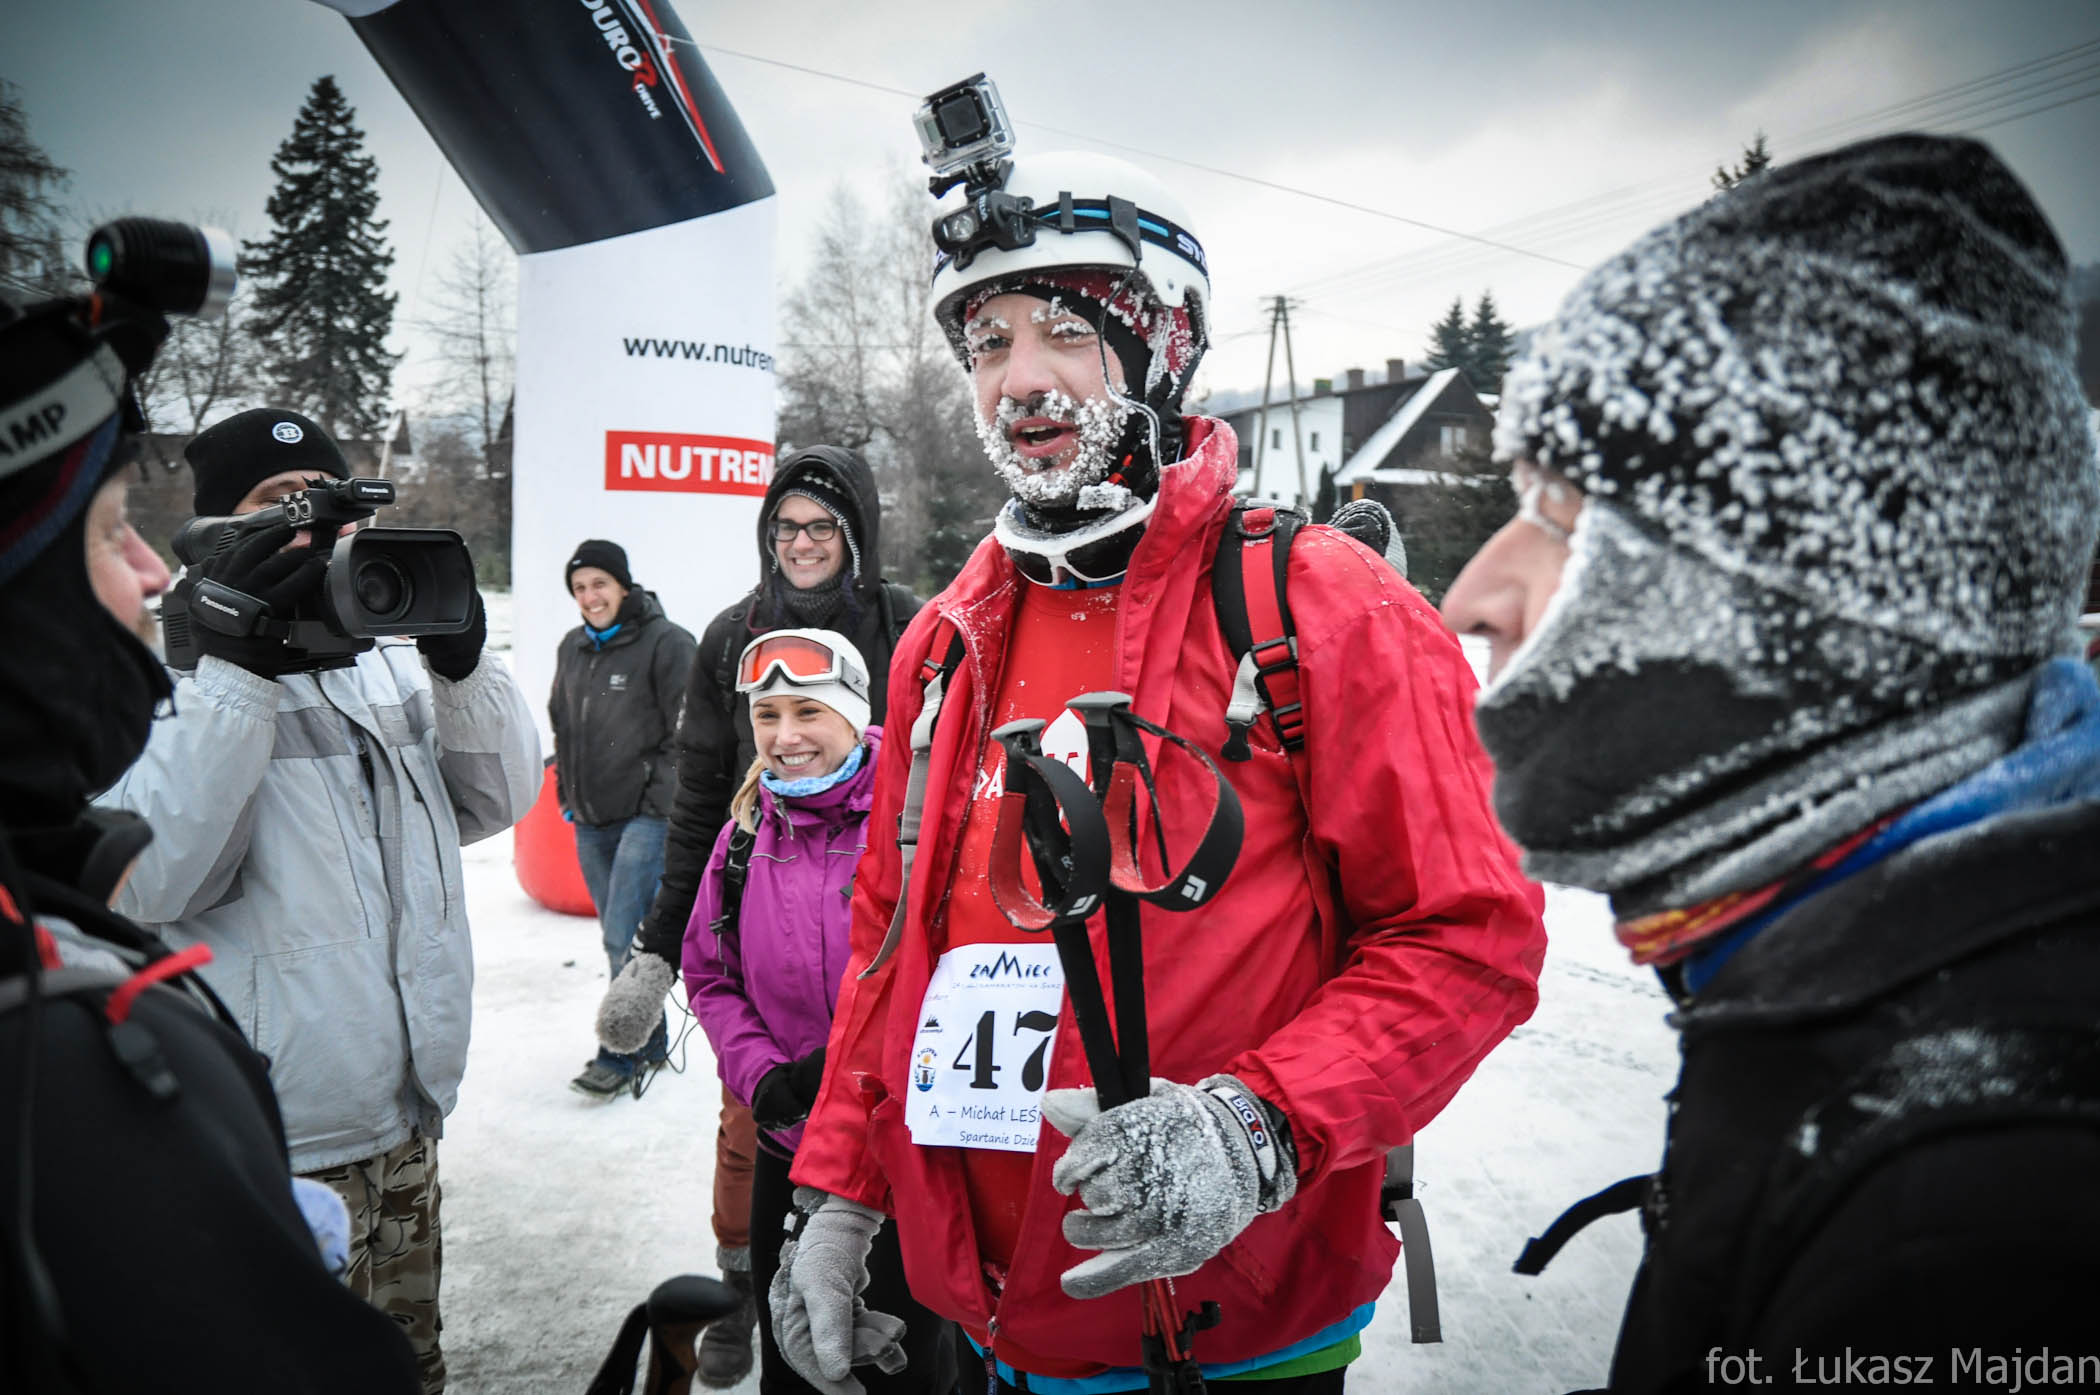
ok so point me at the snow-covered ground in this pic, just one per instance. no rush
(561, 1212)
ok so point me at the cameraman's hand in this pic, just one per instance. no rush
(454, 656)
(260, 565)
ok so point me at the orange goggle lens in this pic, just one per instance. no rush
(803, 660)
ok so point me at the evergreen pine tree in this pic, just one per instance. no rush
(1450, 344)
(322, 310)
(1755, 158)
(1326, 498)
(1489, 343)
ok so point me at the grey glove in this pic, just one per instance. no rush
(820, 1322)
(634, 1003)
(1167, 1180)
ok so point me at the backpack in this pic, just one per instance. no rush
(1250, 578)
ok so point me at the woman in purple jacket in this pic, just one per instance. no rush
(762, 969)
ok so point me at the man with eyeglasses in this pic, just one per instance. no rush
(1372, 943)
(820, 567)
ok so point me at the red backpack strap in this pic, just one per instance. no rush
(1249, 584)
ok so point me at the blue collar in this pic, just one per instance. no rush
(814, 784)
(600, 638)
(2056, 762)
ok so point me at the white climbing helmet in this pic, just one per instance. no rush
(1172, 266)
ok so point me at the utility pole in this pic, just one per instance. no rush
(1261, 428)
(1290, 365)
(1279, 326)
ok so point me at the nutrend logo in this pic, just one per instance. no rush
(678, 463)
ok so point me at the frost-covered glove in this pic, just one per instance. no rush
(455, 656)
(1167, 1180)
(634, 1003)
(820, 1322)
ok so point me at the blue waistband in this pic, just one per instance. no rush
(1133, 1377)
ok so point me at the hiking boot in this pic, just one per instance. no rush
(725, 1347)
(601, 1081)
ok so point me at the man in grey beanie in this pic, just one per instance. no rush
(1782, 660)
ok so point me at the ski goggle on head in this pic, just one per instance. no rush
(802, 659)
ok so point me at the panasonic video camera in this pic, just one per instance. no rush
(379, 582)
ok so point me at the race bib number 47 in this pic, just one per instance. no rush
(981, 1058)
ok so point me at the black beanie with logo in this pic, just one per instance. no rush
(607, 557)
(249, 447)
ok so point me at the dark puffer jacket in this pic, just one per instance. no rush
(715, 746)
(1887, 1124)
(615, 713)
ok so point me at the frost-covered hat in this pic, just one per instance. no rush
(1839, 472)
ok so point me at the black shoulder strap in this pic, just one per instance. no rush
(893, 625)
(734, 871)
(1251, 599)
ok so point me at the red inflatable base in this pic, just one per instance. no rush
(544, 854)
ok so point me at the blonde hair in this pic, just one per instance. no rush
(743, 805)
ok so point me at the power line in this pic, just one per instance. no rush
(1957, 107)
(1218, 170)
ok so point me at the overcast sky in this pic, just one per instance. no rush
(1561, 129)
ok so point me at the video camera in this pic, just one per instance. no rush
(379, 582)
(965, 138)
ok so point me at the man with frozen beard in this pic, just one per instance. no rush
(1367, 950)
(1784, 663)
(819, 567)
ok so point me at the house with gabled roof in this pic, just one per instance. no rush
(1375, 437)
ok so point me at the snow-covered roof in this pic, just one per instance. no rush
(1364, 464)
(1401, 474)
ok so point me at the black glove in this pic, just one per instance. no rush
(773, 1104)
(804, 1076)
(454, 656)
(261, 566)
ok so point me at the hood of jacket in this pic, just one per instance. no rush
(866, 505)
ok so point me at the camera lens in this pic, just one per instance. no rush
(382, 589)
(961, 118)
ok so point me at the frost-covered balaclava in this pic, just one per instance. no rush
(1841, 495)
(1155, 346)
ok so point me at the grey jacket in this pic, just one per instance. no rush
(308, 829)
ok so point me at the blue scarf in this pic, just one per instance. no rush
(814, 784)
(2057, 762)
(600, 638)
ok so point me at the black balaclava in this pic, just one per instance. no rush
(78, 691)
(1841, 495)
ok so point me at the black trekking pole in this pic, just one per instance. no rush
(1089, 858)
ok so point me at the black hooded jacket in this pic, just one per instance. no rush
(614, 711)
(715, 746)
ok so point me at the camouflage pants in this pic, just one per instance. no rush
(396, 1250)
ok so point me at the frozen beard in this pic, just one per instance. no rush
(1098, 424)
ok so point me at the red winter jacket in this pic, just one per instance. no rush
(1365, 953)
